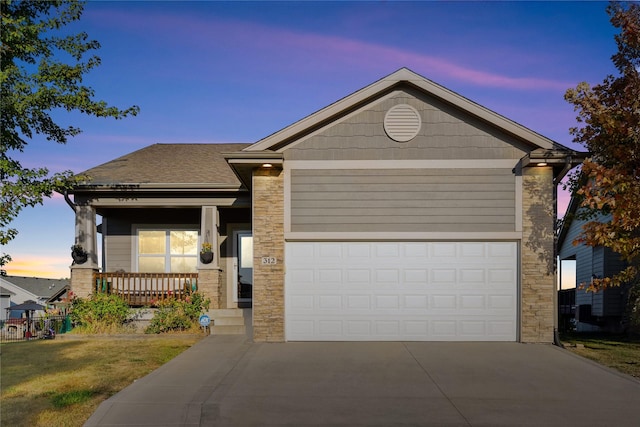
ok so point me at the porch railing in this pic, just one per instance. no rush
(144, 289)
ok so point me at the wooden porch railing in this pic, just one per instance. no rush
(143, 289)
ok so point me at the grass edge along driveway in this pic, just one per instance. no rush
(62, 382)
(614, 351)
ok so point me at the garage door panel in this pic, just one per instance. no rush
(358, 276)
(415, 276)
(444, 250)
(472, 250)
(332, 328)
(415, 302)
(446, 276)
(373, 291)
(501, 302)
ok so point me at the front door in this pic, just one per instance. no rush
(244, 268)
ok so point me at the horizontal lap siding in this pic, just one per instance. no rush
(118, 243)
(402, 200)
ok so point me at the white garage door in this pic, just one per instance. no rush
(391, 291)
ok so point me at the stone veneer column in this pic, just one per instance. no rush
(82, 281)
(209, 285)
(86, 235)
(268, 241)
(538, 275)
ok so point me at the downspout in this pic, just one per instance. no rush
(567, 167)
(69, 202)
(556, 182)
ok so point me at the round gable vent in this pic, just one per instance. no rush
(402, 122)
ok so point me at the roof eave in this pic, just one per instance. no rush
(562, 161)
(130, 186)
(243, 162)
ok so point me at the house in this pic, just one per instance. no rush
(18, 290)
(5, 302)
(403, 211)
(594, 311)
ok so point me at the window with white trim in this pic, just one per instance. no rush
(167, 251)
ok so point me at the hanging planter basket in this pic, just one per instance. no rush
(206, 257)
(79, 257)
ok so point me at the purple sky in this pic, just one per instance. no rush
(239, 71)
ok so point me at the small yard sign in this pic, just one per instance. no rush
(204, 320)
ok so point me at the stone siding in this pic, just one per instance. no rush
(538, 275)
(82, 281)
(268, 241)
(209, 285)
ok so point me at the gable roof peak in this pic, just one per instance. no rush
(279, 140)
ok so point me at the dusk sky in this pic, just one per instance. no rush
(219, 72)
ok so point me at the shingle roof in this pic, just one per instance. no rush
(38, 286)
(169, 164)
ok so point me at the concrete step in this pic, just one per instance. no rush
(228, 330)
(229, 321)
(225, 312)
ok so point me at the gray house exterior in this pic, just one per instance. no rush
(403, 211)
(595, 311)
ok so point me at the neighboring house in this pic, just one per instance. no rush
(5, 302)
(595, 311)
(23, 289)
(403, 211)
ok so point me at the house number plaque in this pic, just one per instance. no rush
(269, 260)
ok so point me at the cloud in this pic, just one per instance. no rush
(39, 266)
(376, 55)
(246, 42)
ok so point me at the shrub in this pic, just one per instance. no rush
(177, 315)
(633, 309)
(100, 313)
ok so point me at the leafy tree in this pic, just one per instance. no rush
(41, 71)
(609, 127)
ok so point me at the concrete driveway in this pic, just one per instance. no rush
(228, 381)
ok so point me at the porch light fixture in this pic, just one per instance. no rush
(267, 165)
(542, 164)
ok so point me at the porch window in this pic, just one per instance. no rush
(167, 251)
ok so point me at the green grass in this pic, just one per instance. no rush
(61, 382)
(615, 351)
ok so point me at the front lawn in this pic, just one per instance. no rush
(615, 351)
(61, 382)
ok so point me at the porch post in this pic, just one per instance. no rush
(209, 274)
(86, 236)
